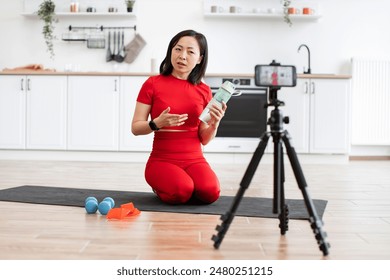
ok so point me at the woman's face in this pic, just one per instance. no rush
(185, 56)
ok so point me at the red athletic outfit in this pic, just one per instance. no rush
(176, 169)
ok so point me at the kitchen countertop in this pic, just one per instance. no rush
(50, 72)
(55, 73)
(323, 76)
(300, 76)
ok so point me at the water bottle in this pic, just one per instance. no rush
(224, 93)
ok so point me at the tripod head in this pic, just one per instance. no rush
(276, 119)
(273, 98)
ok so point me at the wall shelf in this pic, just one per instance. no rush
(262, 10)
(112, 8)
(261, 16)
(85, 14)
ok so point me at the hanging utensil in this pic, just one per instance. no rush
(109, 54)
(122, 52)
(118, 56)
(114, 48)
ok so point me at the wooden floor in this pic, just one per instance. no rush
(357, 217)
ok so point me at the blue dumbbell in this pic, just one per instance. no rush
(106, 205)
(91, 205)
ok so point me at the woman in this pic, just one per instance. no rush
(176, 169)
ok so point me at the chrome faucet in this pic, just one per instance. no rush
(308, 55)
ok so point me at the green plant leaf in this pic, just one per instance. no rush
(46, 12)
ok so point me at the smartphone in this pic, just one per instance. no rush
(275, 75)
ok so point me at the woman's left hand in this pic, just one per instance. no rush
(217, 114)
(208, 131)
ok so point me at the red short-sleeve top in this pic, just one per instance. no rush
(181, 96)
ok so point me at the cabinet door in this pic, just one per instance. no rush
(329, 116)
(12, 112)
(46, 112)
(296, 107)
(130, 87)
(93, 113)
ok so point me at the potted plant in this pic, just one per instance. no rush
(46, 13)
(130, 5)
(286, 5)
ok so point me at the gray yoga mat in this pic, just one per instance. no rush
(147, 201)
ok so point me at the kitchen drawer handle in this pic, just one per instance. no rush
(28, 84)
(306, 87)
(313, 87)
(22, 84)
(116, 85)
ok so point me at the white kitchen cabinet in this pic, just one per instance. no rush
(12, 112)
(318, 110)
(32, 112)
(130, 87)
(46, 112)
(93, 113)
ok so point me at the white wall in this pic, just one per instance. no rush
(347, 28)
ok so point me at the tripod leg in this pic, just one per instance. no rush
(279, 206)
(316, 223)
(277, 172)
(227, 218)
(283, 214)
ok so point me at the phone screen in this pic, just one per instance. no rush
(275, 75)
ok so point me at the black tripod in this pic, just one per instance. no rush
(275, 122)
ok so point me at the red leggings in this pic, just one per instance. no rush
(177, 170)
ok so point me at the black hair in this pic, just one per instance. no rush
(199, 71)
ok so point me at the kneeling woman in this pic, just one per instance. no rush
(176, 169)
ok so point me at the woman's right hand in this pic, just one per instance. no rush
(167, 119)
